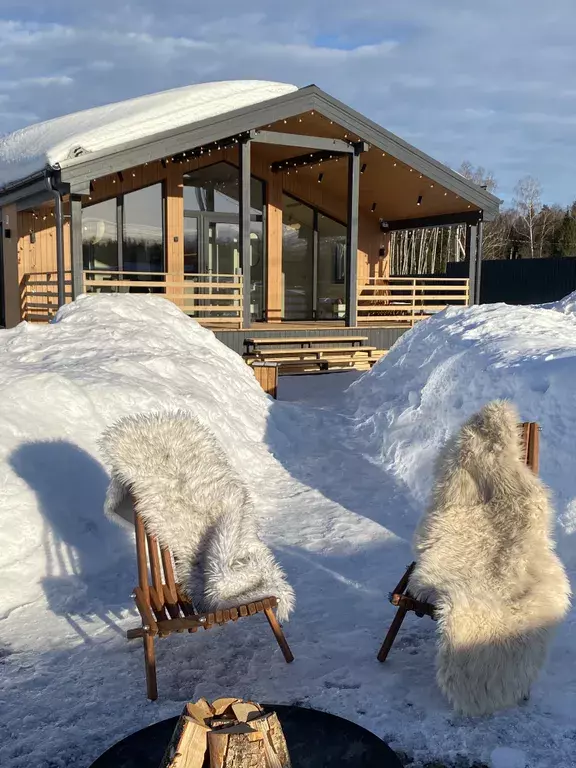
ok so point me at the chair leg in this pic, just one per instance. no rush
(150, 667)
(279, 635)
(392, 632)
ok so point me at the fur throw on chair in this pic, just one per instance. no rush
(190, 497)
(487, 562)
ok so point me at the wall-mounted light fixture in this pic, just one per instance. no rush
(419, 201)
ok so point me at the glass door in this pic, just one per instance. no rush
(223, 252)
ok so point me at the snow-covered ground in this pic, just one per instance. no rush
(340, 468)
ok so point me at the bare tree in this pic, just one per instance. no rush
(528, 205)
(478, 175)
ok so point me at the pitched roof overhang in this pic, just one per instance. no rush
(75, 174)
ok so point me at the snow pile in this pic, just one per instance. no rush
(60, 385)
(53, 142)
(448, 367)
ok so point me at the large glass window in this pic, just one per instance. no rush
(211, 228)
(139, 217)
(331, 268)
(100, 236)
(313, 263)
(216, 189)
(191, 252)
(298, 259)
(143, 245)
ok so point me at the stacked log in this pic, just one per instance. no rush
(229, 733)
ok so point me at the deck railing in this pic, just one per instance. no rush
(216, 299)
(39, 295)
(403, 301)
(211, 298)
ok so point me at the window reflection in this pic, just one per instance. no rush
(297, 259)
(331, 268)
(100, 236)
(143, 249)
(216, 189)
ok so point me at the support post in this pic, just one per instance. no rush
(9, 265)
(59, 222)
(479, 249)
(245, 229)
(76, 259)
(352, 237)
(471, 254)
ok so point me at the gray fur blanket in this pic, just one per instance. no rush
(191, 498)
(486, 560)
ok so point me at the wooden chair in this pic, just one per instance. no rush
(165, 609)
(401, 597)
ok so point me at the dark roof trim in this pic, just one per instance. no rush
(79, 171)
(30, 187)
(442, 220)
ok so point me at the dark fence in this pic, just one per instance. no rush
(522, 281)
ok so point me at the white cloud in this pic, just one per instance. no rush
(489, 82)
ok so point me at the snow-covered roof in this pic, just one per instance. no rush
(30, 150)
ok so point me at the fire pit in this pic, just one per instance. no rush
(315, 740)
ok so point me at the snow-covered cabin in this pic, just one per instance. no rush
(247, 203)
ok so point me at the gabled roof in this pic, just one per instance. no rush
(268, 103)
(101, 129)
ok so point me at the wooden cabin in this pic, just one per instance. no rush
(266, 215)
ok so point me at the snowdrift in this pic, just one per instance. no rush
(449, 366)
(62, 384)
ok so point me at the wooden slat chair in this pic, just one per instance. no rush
(401, 597)
(165, 609)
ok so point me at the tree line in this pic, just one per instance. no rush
(527, 229)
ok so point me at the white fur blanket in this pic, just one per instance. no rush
(486, 560)
(190, 497)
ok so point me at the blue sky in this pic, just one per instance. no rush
(490, 82)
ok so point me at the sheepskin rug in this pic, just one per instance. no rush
(486, 560)
(191, 498)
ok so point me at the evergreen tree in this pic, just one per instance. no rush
(566, 239)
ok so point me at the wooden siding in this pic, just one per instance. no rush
(274, 238)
